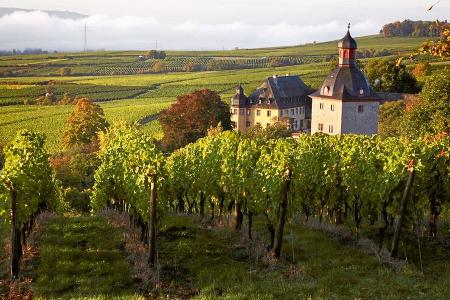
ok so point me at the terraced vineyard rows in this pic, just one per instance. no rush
(95, 92)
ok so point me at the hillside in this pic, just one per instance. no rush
(128, 62)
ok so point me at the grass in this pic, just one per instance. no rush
(82, 258)
(216, 264)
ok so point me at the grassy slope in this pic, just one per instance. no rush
(378, 42)
(51, 120)
(82, 257)
(217, 264)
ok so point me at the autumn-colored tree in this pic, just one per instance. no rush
(192, 67)
(159, 67)
(440, 47)
(65, 100)
(191, 116)
(422, 69)
(83, 125)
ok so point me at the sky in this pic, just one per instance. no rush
(202, 24)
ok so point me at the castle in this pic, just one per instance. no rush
(346, 103)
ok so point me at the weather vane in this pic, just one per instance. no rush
(348, 26)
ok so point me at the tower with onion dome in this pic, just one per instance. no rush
(346, 103)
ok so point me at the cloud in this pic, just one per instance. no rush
(39, 30)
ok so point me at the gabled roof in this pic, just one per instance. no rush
(281, 92)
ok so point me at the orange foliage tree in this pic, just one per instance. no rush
(83, 125)
(191, 116)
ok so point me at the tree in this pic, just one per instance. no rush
(65, 71)
(388, 76)
(390, 117)
(159, 67)
(191, 116)
(192, 67)
(422, 69)
(83, 125)
(431, 114)
(440, 47)
(65, 100)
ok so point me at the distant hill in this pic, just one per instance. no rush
(55, 13)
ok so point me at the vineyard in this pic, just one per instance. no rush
(254, 192)
(226, 217)
(109, 63)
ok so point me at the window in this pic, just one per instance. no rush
(308, 123)
(258, 123)
(301, 124)
(320, 127)
(361, 92)
(281, 113)
(241, 112)
(292, 111)
(360, 108)
(235, 111)
(295, 124)
(332, 107)
(258, 112)
(330, 129)
(233, 124)
(296, 110)
(269, 113)
(249, 111)
(302, 110)
(286, 112)
(321, 105)
(247, 124)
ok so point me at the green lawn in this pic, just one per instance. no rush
(82, 258)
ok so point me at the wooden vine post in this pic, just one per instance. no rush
(406, 192)
(152, 229)
(282, 214)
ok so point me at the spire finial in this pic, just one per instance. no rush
(348, 27)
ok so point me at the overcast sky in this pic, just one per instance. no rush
(203, 24)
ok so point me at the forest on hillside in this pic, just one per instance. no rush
(409, 28)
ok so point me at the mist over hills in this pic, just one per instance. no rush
(53, 13)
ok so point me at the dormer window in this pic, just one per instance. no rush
(326, 90)
(361, 92)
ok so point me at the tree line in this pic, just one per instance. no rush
(409, 28)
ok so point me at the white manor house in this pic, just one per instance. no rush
(345, 104)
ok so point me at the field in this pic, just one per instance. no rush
(129, 63)
(150, 94)
(133, 97)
